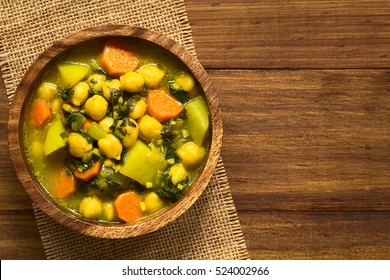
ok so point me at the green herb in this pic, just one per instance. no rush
(78, 122)
(80, 165)
(92, 157)
(68, 170)
(183, 114)
(115, 94)
(178, 92)
(167, 190)
(87, 162)
(166, 130)
(64, 135)
(96, 68)
(123, 110)
(69, 113)
(75, 118)
(130, 103)
(123, 156)
(126, 122)
(66, 93)
(93, 92)
(86, 136)
(169, 149)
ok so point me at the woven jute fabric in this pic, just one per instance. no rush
(210, 229)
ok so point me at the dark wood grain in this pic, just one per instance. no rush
(317, 235)
(307, 140)
(12, 195)
(19, 237)
(291, 34)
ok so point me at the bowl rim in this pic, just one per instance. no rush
(43, 200)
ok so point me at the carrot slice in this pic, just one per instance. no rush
(88, 174)
(127, 206)
(64, 185)
(40, 113)
(162, 106)
(117, 59)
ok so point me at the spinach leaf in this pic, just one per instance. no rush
(178, 92)
(66, 93)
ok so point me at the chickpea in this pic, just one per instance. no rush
(128, 129)
(139, 109)
(190, 154)
(112, 90)
(149, 128)
(69, 107)
(56, 105)
(46, 91)
(110, 146)
(185, 81)
(80, 93)
(78, 145)
(95, 81)
(96, 107)
(106, 123)
(90, 207)
(132, 82)
(153, 202)
(108, 211)
(177, 173)
(152, 75)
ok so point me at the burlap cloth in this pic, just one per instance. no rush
(210, 228)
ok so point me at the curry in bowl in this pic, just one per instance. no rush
(116, 130)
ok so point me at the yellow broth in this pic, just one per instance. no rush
(113, 177)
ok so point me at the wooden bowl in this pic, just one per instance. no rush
(40, 196)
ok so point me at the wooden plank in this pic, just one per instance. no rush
(269, 235)
(19, 237)
(291, 34)
(340, 235)
(306, 140)
(12, 195)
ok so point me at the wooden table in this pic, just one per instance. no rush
(304, 88)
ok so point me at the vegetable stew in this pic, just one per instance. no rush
(116, 130)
